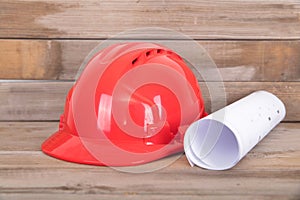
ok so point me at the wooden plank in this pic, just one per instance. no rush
(30, 59)
(279, 149)
(236, 60)
(198, 183)
(134, 196)
(288, 92)
(27, 136)
(24, 136)
(270, 171)
(199, 19)
(32, 100)
(25, 100)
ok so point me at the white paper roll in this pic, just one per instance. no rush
(220, 140)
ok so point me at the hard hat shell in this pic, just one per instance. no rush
(127, 107)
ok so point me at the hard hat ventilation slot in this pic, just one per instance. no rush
(150, 53)
(161, 51)
(134, 61)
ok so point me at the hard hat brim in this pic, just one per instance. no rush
(69, 147)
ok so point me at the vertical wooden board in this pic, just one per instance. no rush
(198, 19)
(45, 100)
(217, 95)
(73, 54)
(25, 136)
(38, 100)
(30, 59)
(256, 60)
(236, 60)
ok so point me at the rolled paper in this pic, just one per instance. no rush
(220, 140)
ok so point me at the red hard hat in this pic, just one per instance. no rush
(127, 107)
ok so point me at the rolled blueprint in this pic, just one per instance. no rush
(220, 140)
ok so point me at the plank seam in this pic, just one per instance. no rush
(171, 39)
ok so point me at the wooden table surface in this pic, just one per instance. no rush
(270, 171)
(254, 43)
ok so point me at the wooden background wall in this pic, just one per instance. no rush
(256, 45)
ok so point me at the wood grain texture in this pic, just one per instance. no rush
(255, 44)
(270, 171)
(30, 59)
(32, 100)
(135, 196)
(166, 182)
(198, 19)
(236, 60)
